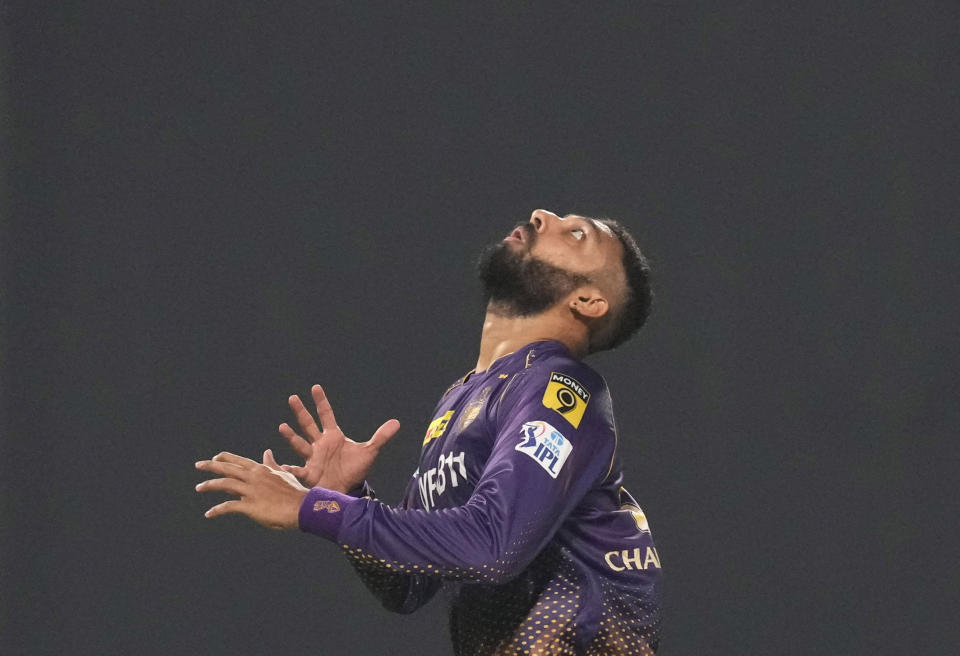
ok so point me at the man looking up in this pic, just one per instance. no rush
(518, 502)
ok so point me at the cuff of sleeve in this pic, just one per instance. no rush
(363, 490)
(321, 512)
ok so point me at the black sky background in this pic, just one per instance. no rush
(210, 206)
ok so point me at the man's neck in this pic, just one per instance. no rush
(504, 334)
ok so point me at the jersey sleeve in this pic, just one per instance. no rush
(398, 592)
(540, 467)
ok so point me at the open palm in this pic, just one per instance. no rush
(332, 460)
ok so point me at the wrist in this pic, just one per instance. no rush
(321, 512)
(341, 486)
(292, 519)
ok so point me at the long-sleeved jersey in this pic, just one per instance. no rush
(518, 505)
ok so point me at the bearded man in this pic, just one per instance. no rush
(518, 504)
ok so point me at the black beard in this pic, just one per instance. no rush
(521, 285)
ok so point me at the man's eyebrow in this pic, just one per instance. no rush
(596, 225)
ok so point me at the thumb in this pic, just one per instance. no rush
(385, 433)
(299, 472)
(269, 461)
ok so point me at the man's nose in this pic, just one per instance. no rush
(542, 219)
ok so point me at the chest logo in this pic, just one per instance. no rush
(546, 445)
(567, 396)
(437, 427)
(472, 411)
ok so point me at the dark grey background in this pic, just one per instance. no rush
(209, 207)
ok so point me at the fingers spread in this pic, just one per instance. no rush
(240, 461)
(304, 418)
(229, 485)
(324, 409)
(223, 468)
(297, 443)
(385, 433)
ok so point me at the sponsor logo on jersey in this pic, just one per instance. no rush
(451, 470)
(437, 427)
(545, 444)
(326, 504)
(567, 396)
(640, 558)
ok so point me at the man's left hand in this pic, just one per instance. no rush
(268, 495)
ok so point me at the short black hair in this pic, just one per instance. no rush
(633, 312)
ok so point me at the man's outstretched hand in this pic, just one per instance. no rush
(268, 495)
(333, 460)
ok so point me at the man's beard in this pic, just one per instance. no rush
(521, 285)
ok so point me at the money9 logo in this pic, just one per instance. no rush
(567, 400)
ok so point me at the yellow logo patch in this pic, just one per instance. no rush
(437, 427)
(567, 396)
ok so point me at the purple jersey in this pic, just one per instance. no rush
(518, 505)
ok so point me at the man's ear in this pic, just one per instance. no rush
(589, 303)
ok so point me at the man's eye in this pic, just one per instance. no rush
(577, 233)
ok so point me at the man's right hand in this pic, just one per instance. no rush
(333, 460)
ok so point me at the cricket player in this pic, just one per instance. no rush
(518, 506)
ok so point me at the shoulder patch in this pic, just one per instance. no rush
(567, 396)
(545, 444)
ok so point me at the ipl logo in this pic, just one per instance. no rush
(545, 444)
